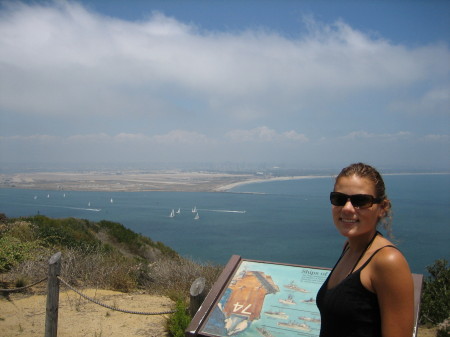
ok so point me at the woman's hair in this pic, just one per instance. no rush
(368, 172)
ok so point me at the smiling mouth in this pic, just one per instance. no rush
(349, 220)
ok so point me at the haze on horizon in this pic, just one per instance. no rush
(293, 83)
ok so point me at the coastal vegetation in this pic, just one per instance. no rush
(102, 255)
(106, 255)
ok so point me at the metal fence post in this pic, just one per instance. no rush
(51, 318)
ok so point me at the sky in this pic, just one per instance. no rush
(300, 84)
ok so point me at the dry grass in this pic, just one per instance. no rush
(110, 270)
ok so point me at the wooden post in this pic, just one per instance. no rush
(51, 318)
(198, 295)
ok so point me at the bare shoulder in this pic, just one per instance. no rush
(389, 262)
(389, 258)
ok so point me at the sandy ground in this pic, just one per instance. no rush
(24, 315)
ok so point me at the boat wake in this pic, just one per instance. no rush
(222, 211)
(78, 208)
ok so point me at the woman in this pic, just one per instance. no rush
(370, 290)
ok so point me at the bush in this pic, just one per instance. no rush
(13, 252)
(435, 304)
(179, 321)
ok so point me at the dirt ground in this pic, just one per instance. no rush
(24, 315)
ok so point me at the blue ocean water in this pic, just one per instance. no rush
(280, 221)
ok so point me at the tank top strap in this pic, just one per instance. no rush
(374, 253)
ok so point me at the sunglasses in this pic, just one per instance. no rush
(357, 200)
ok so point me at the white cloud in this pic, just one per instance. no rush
(86, 83)
(62, 59)
(264, 134)
(182, 137)
(355, 135)
(437, 138)
(432, 102)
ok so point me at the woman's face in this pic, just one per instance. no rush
(350, 221)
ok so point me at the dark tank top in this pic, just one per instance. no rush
(349, 309)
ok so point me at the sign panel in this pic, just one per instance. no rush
(267, 299)
(259, 298)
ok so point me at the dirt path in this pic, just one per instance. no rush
(24, 315)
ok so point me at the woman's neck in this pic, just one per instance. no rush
(362, 242)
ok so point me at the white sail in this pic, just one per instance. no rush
(172, 214)
(196, 216)
(179, 211)
(111, 200)
(89, 204)
(194, 210)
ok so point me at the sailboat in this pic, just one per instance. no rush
(196, 216)
(179, 211)
(89, 204)
(112, 200)
(172, 214)
(194, 210)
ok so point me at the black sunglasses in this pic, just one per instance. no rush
(357, 200)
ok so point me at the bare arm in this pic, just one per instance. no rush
(393, 284)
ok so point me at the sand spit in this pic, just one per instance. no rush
(135, 181)
(123, 181)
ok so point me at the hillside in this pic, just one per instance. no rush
(101, 254)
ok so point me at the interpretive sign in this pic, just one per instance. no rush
(259, 298)
(256, 298)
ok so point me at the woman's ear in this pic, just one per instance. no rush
(385, 207)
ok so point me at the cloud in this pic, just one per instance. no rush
(263, 134)
(62, 59)
(76, 84)
(435, 101)
(182, 137)
(437, 138)
(361, 135)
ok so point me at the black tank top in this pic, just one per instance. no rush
(349, 309)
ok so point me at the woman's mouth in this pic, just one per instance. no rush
(350, 221)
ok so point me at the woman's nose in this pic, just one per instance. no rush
(348, 206)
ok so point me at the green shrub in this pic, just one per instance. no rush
(68, 232)
(179, 321)
(13, 251)
(435, 304)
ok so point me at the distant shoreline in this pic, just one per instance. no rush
(228, 187)
(167, 181)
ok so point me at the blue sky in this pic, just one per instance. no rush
(306, 84)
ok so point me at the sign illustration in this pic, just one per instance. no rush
(267, 299)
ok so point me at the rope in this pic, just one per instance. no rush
(111, 307)
(22, 288)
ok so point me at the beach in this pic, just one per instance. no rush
(129, 181)
(134, 181)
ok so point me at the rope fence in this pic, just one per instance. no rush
(53, 281)
(23, 288)
(111, 307)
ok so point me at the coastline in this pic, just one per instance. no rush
(135, 181)
(226, 188)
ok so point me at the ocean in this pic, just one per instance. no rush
(279, 221)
